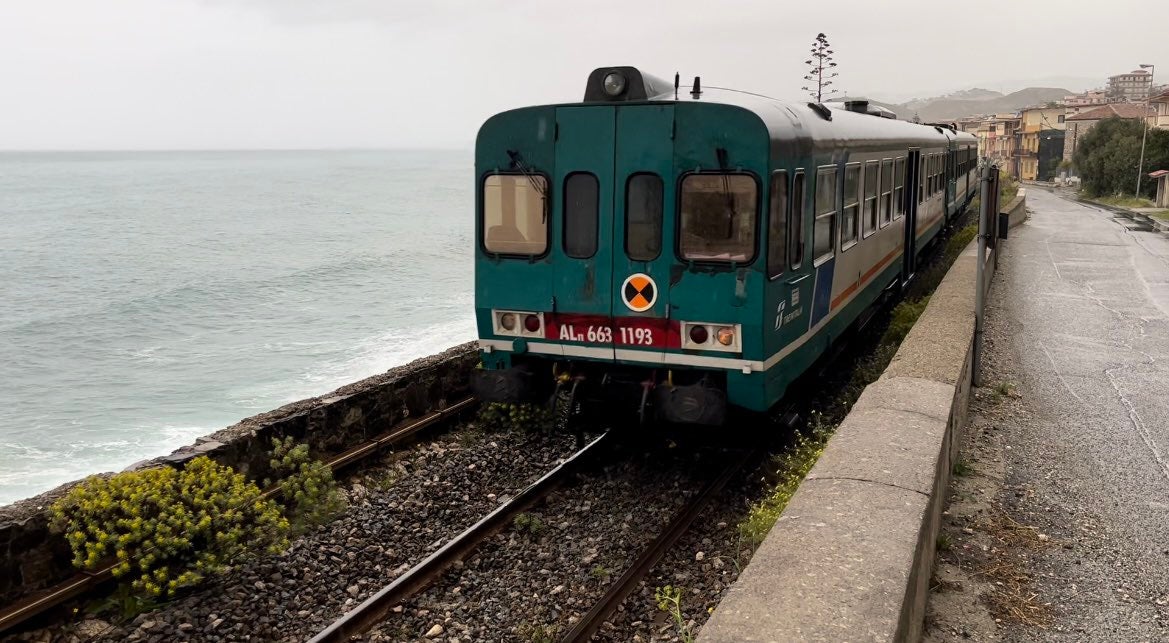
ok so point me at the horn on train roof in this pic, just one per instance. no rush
(620, 84)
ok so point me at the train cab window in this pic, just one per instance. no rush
(824, 227)
(777, 215)
(718, 217)
(872, 172)
(796, 225)
(580, 215)
(899, 188)
(850, 214)
(643, 217)
(515, 214)
(886, 204)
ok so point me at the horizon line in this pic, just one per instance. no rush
(58, 150)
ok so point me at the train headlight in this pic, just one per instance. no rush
(698, 334)
(614, 84)
(507, 321)
(726, 336)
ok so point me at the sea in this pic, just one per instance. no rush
(149, 298)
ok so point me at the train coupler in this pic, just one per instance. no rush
(698, 403)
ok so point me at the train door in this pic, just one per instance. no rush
(643, 185)
(582, 234)
(912, 201)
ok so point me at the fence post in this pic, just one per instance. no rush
(987, 222)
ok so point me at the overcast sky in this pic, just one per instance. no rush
(179, 74)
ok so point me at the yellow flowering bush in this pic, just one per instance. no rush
(307, 486)
(168, 528)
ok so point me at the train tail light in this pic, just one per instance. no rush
(517, 323)
(532, 323)
(726, 336)
(698, 334)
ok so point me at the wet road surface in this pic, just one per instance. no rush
(1083, 307)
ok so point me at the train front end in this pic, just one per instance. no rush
(617, 252)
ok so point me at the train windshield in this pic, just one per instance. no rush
(718, 217)
(515, 214)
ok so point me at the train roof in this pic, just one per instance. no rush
(823, 125)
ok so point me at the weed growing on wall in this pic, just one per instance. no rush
(167, 528)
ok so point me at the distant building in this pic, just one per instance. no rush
(998, 137)
(1038, 133)
(1090, 97)
(1080, 124)
(1160, 106)
(1133, 87)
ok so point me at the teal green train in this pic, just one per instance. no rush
(679, 255)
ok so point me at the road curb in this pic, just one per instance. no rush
(850, 558)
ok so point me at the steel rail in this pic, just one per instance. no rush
(588, 625)
(86, 581)
(374, 609)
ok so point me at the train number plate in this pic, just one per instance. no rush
(608, 331)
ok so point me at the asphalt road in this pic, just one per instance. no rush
(1084, 307)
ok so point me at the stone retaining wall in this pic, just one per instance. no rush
(32, 558)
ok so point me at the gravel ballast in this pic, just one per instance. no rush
(400, 509)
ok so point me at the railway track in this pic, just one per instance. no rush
(375, 609)
(83, 583)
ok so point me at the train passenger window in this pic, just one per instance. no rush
(643, 217)
(886, 204)
(777, 225)
(850, 214)
(718, 217)
(899, 188)
(824, 228)
(796, 227)
(920, 179)
(580, 215)
(872, 170)
(515, 214)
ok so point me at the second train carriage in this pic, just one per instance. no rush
(683, 255)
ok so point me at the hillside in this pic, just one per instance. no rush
(972, 102)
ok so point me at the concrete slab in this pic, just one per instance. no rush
(834, 568)
(896, 448)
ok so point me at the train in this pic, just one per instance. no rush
(678, 253)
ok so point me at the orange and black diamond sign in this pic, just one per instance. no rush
(639, 292)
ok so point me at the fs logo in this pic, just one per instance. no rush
(779, 314)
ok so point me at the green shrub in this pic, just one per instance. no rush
(501, 416)
(307, 486)
(904, 316)
(167, 528)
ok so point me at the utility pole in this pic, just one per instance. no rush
(1144, 130)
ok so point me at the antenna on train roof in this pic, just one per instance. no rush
(677, 81)
(696, 90)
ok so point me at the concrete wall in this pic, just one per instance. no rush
(32, 558)
(1017, 208)
(851, 557)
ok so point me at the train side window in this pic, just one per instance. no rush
(824, 227)
(886, 204)
(643, 217)
(850, 214)
(872, 171)
(515, 214)
(581, 201)
(899, 188)
(718, 217)
(777, 225)
(796, 227)
(920, 179)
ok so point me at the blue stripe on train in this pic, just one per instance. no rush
(822, 293)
